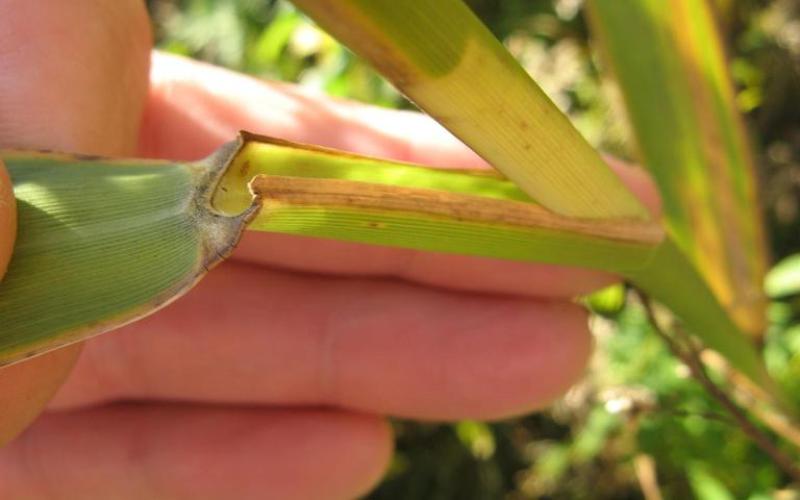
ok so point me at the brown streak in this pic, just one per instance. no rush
(337, 192)
(244, 168)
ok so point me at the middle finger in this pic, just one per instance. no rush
(249, 335)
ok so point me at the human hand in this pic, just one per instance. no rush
(270, 378)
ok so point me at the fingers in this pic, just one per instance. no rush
(639, 182)
(25, 388)
(194, 107)
(195, 453)
(250, 336)
(73, 76)
(455, 272)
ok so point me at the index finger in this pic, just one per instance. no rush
(194, 107)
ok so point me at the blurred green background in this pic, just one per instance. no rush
(637, 412)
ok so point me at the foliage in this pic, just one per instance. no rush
(637, 400)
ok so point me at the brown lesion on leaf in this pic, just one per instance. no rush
(88, 157)
(244, 168)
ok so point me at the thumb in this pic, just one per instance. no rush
(26, 387)
(73, 77)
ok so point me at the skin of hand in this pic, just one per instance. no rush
(270, 379)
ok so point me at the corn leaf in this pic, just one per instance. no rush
(102, 243)
(681, 105)
(444, 59)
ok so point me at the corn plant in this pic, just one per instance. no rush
(554, 199)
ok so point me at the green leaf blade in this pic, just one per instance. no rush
(100, 243)
(448, 63)
(680, 101)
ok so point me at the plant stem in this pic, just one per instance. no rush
(646, 474)
(687, 352)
